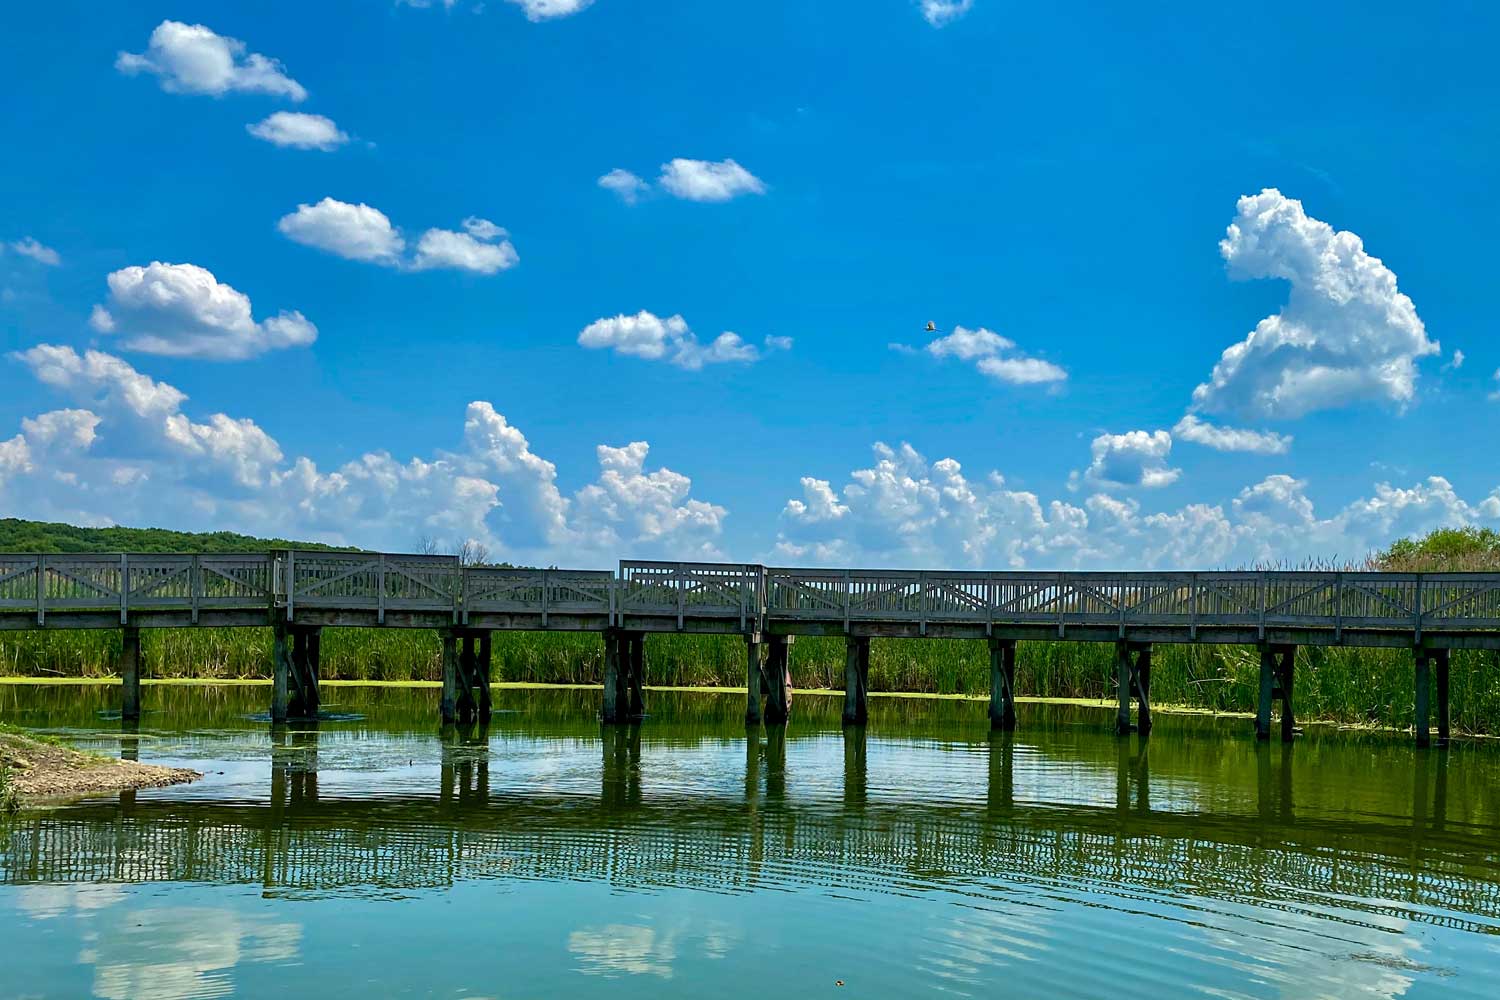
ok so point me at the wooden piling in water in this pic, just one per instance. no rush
(130, 673)
(610, 710)
(450, 677)
(636, 686)
(1267, 690)
(1002, 684)
(753, 680)
(856, 680)
(281, 665)
(484, 677)
(1288, 716)
(467, 677)
(778, 675)
(1122, 691)
(1423, 680)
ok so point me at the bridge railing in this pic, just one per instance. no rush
(548, 591)
(692, 590)
(368, 581)
(745, 594)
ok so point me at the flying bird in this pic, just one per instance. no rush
(931, 327)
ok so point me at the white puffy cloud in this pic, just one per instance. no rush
(182, 310)
(299, 131)
(906, 511)
(362, 232)
(356, 232)
(986, 349)
(703, 180)
(646, 335)
(130, 453)
(1346, 334)
(544, 10)
(29, 246)
(1495, 395)
(193, 59)
(482, 247)
(625, 184)
(1221, 438)
(630, 509)
(1135, 458)
(941, 12)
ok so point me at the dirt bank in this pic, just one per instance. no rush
(35, 769)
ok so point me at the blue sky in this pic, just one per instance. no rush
(1049, 187)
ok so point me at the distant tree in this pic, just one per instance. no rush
(17, 535)
(1451, 550)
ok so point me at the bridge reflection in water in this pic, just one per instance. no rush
(1170, 831)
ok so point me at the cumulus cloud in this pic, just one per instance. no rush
(546, 10)
(130, 452)
(1346, 335)
(362, 232)
(702, 180)
(29, 246)
(646, 335)
(987, 349)
(941, 12)
(299, 131)
(482, 248)
(356, 232)
(183, 311)
(1221, 438)
(906, 511)
(1135, 458)
(625, 184)
(193, 59)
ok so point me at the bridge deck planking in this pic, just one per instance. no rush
(380, 590)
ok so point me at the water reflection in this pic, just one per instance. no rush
(1241, 853)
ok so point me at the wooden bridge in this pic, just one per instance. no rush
(297, 593)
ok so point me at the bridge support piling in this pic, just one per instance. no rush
(1267, 689)
(778, 674)
(468, 677)
(1288, 716)
(450, 677)
(753, 679)
(1423, 694)
(856, 679)
(484, 677)
(1440, 669)
(304, 698)
(130, 673)
(281, 666)
(616, 677)
(1003, 684)
(1133, 678)
(636, 686)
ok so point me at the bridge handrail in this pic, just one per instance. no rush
(746, 594)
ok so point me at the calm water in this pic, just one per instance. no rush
(373, 855)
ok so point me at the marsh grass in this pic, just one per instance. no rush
(1362, 686)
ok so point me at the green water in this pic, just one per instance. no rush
(373, 855)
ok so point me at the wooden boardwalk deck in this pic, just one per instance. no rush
(299, 592)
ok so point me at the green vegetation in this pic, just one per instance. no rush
(38, 536)
(1450, 550)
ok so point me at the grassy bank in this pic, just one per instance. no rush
(1345, 685)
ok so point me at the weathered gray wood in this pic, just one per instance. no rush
(1287, 676)
(1423, 680)
(856, 680)
(1267, 688)
(281, 665)
(467, 677)
(637, 685)
(449, 705)
(778, 676)
(1143, 690)
(1123, 680)
(484, 677)
(130, 673)
(753, 680)
(612, 710)
(1002, 684)
(1440, 663)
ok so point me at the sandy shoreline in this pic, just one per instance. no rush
(39, 770)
